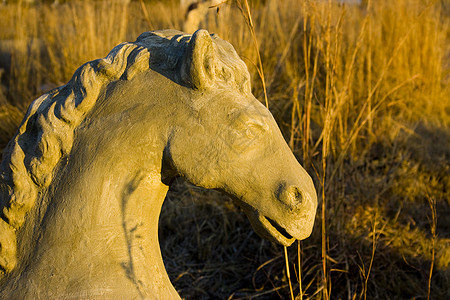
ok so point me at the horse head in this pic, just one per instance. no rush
(231, 142)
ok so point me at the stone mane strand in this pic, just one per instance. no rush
(46, 135)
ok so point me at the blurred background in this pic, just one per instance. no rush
(360, 90)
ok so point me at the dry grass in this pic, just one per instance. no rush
(361, 93)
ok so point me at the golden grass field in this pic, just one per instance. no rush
(361, 93)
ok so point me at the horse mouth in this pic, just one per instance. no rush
(280, 229)
(276, 231)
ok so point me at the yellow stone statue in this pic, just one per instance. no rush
(83, 180)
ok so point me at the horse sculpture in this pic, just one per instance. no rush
(83, 180)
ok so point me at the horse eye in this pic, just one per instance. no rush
(250, 132)
(255, 129)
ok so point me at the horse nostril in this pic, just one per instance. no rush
(292, 196)
(298, 196)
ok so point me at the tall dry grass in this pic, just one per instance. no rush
(361, 93)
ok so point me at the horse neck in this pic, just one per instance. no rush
(100, 226)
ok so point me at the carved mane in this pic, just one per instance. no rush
(46, 134)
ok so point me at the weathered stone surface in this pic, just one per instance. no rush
(83, 181)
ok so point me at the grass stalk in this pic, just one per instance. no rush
(325, 148)
(374, 246)
(299, 261)
(432, 203)
(369, 66)
(248, 18)
(288, 273)
(145, 12)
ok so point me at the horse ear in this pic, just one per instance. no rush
(198, 68)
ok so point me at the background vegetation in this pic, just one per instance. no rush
(361, 93)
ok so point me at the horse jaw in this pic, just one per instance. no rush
(264, 228)
(282, 226)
